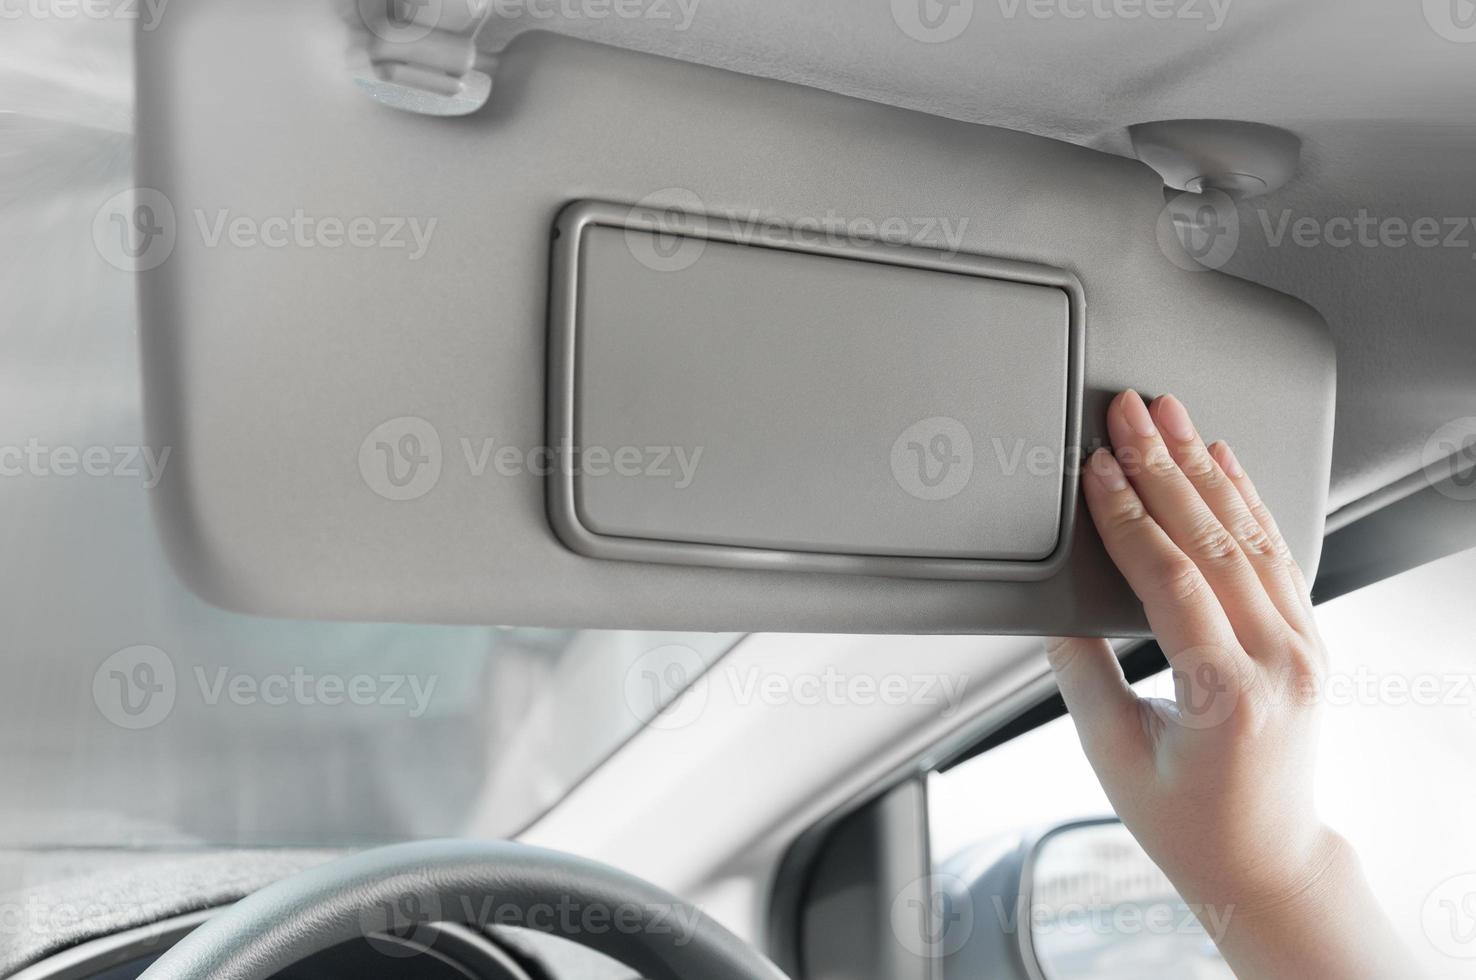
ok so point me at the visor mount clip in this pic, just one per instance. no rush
(421, 56)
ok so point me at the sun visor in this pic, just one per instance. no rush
(643, 344)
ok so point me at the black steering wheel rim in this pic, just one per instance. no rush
(475, 883)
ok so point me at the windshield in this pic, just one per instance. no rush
(234, 731)
(132, 712)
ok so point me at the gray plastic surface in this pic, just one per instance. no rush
(1241, 159)
(274, 373)
(866, 912)
(833, 453)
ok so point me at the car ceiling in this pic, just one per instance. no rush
(1380, 98)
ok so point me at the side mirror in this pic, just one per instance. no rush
(1100, 909)
(1077, 901)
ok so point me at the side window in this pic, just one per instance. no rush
(1024, 854)
(1044, 881)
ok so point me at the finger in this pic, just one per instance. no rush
(1225, 501)
(1186, 617)
(1096, 693)
(1232, 469)
(1190, 524)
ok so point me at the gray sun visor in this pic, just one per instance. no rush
(649, 345)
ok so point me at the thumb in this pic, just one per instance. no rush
(1096, 693)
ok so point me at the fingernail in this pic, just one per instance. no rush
(1137, 415)
(1174, 418)
(1227, 459)
(1108, 472)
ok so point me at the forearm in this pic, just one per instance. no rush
(1333, 926)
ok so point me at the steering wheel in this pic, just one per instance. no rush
(475, 883)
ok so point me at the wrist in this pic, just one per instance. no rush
(1325, 867)
(1322, 919)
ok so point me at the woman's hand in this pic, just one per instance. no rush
(1217, 784)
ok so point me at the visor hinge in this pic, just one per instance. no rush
(421, 55)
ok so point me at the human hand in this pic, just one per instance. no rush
(1217, 784)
